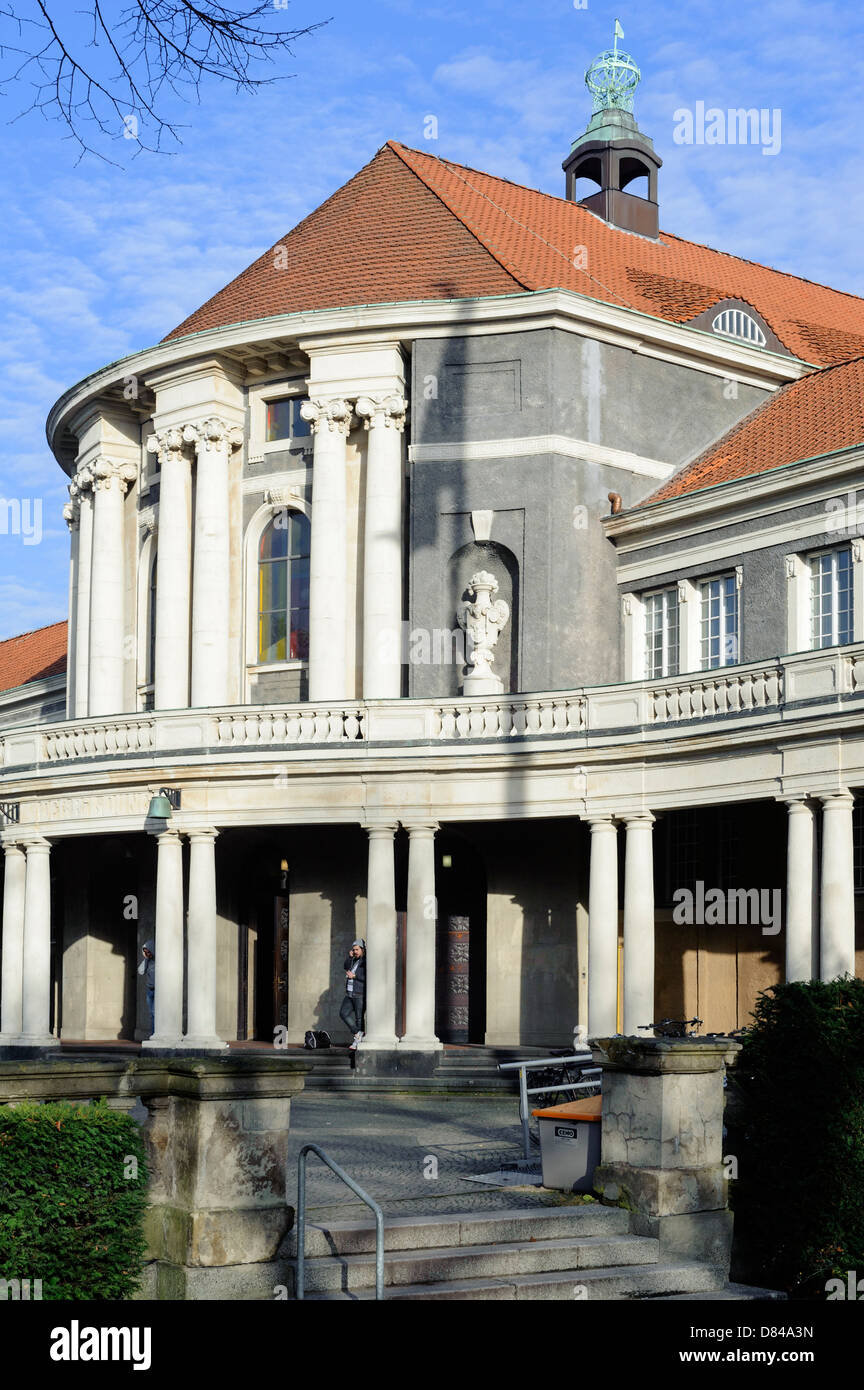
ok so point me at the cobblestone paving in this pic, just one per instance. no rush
(387, 1144)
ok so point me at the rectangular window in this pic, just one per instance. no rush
(719, 621)
(661, 633)
(284, 420)
(831, 597)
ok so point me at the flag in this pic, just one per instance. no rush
(619, 32)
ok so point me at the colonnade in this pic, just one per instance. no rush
(819, 927)
(819, 908)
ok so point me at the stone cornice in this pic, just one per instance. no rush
(532, 445)
(563, 309)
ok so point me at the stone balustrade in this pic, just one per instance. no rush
(785, 688)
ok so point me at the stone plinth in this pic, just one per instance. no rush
(216, 1132)
(662, 1141)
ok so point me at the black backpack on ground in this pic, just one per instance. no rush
(316, 1038)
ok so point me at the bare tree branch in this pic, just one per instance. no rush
(118, 84)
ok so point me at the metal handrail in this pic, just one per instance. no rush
(525, 1091)
(301, 1218)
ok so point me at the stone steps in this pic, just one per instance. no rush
(535, 1253)
(615, 1283)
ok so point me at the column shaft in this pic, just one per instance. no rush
(201, 988)
(12, 980)
(107, 590)
(421, 926)
(169, 942)
(36, 990)
(328, 560)
(173, 578)
(211, 567)
(639, 927)
(381, 940)
(603, 931)
(382, 550)
(837, 939)
(71, 513)
(80, 634)
(799, 891)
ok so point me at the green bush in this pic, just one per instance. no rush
(799, 1199)
(73, 1191)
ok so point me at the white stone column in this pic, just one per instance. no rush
(108, 587)
(173, 572)
(382, 547)
(214, 439)
(639, 926)
(12, 979)
(201, 945)
(169, 943)
(79, 635)
(380, 1027)
(603, 929)
(331, 422)
(36, 985)
(71, 513)
(421, 925)
(837, 938)
(799, 891)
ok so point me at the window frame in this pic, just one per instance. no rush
(260, 396)
(832, 552)
(262, 663)
(668, 670)
(704, 583)
(756, 338)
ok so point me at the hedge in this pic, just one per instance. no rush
(799, 1197)
(73, 1192)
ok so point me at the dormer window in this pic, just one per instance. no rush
(734, 323)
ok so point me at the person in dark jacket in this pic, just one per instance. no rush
(351, 1012)
(147, 968)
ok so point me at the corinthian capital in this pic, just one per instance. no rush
(71, 513)
(167, 445)
(82, 481)
(336, 415)
(108, 472)
(388, 411)
(213, 433)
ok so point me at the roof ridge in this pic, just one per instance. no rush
(673, 236)
(468, 225)
(16, 637)
(614, 295)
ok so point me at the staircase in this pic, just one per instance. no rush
(459, 1069)
(583, 1252)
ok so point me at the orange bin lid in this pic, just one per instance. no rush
(588, 1109)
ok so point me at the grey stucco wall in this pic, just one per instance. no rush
(548, 507)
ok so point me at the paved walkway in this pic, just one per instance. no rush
(411, 1154)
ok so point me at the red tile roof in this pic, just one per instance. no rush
(33, 656)
(819, 414)
(411, 226)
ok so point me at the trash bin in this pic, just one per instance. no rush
(570, 1143)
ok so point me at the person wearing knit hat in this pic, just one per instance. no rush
(351, 1012)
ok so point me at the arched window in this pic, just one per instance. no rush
(283, 589)
(151, 624)
(734, 323)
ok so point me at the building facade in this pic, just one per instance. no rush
(480, 574)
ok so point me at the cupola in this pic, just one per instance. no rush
(613, 153)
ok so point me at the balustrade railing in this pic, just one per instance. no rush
(637, 707)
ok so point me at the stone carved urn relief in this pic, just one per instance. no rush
(482, 621)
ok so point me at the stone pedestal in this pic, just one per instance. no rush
(662, 1142)
(216, 1133)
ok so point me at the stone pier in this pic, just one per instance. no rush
(662, 1141)
(216, 1133)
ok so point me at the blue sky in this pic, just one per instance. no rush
(99, 261)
